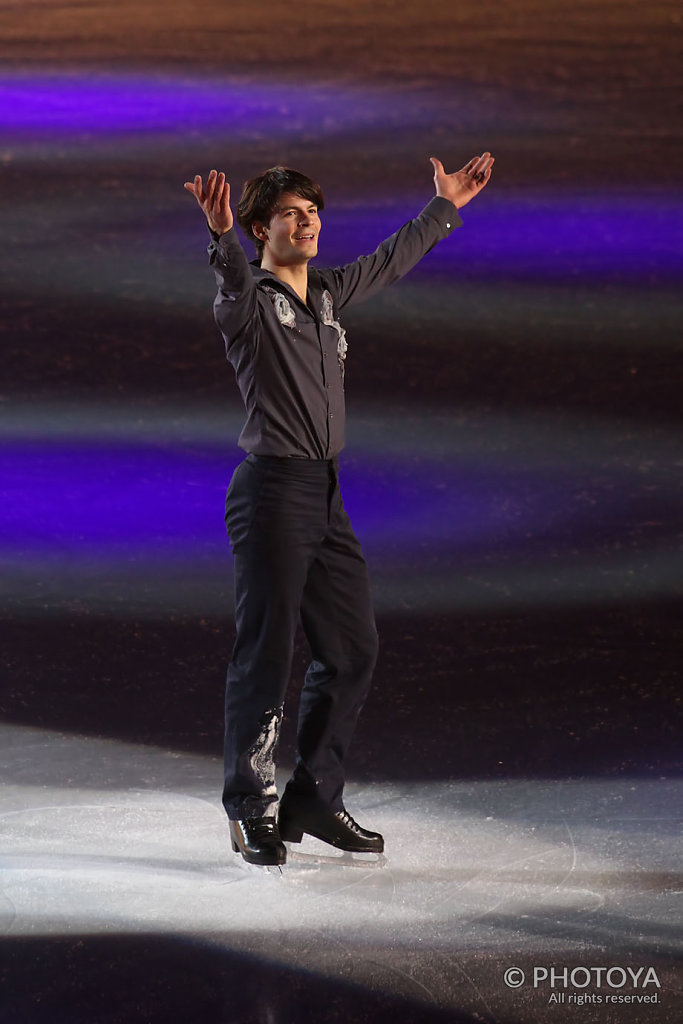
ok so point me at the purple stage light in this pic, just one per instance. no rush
(104, 499)
(628, 242)
(572, 236)
(567, 237)
(114, 516)
(108, 104)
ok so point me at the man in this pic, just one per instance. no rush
(296, 555)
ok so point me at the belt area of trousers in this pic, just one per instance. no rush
(320, 474)
(296, 465)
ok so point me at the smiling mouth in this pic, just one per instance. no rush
(304, 238)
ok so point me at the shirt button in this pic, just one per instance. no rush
(448, 225)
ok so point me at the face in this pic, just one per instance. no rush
(292, 235)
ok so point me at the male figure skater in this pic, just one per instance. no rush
(296, 555)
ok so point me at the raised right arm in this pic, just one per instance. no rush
(236, 299)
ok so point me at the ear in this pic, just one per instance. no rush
(260, 231)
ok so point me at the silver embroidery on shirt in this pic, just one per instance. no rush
(283, 310)
(327, 316)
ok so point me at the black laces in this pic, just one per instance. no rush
(347, 820)
(263, 828)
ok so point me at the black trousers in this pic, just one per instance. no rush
(296, 557)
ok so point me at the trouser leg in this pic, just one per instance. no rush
(338, 620)
(275, 520)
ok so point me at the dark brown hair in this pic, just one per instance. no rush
(261, 194)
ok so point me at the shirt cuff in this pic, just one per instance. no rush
(224, 250)
(215, 236)
(445, 213)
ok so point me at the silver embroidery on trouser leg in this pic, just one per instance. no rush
(262, 754)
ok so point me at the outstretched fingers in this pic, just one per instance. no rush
(463, 185)
(214, 201)
(470, 165)
(196, 188)
(225, 198)
(219, 187)
(478, 163)
(484, 164)
(210, 188)
(217, 196)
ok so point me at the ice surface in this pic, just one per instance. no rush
(100, 837)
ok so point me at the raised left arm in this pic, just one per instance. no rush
(359, 280)
(362, 278)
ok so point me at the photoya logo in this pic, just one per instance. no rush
(582, 977)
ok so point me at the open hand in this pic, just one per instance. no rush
(463, 185)
(215, 202)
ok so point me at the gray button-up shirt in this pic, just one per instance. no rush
(289, 355)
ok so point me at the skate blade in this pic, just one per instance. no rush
(341, 859)
(272, 870)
